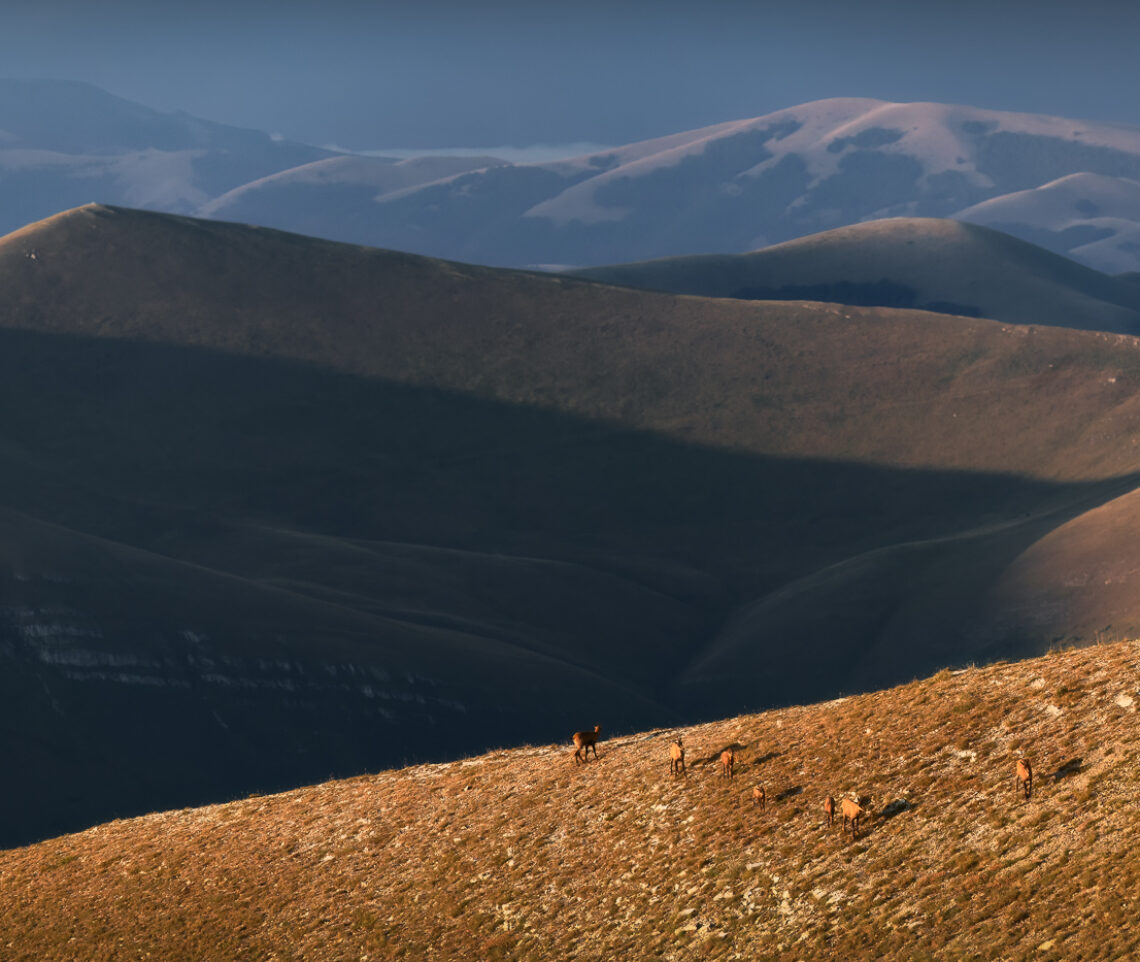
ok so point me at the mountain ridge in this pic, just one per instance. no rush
(325, 461)
(66, 143)
(206, 301)
(743, 184)
(1058, 182)
(925, 263)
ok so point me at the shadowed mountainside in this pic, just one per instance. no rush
(278, 508)
(935, 265)
(521, 854)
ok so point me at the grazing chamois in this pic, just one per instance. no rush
(677, 759)
(1023, 777)
(586, 740)
(829, 810)
(728, 762)
(760, 797)
(852, 812)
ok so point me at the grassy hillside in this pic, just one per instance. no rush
(935, 265)
(277, 509)
(779, 378)
(520, 854)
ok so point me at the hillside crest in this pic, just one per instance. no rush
(523, 854)
(917, 262)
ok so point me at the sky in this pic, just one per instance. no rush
(467, 74)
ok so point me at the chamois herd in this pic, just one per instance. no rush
(851, 808)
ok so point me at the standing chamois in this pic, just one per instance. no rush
(677, 759)
(852, 812)
(1023, 777)
(586, 740)
(728, 762)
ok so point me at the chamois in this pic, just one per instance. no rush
(852, 812)
(586, 740)
(829, 810)
(760, 797)
(677, 759)
(728, 762)
(1023, 777)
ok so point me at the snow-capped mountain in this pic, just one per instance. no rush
(1068, 185)
(740, 186)
(1093, 218)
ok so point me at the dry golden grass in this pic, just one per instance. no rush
(520, 854)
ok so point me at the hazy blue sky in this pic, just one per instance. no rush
(482, 74)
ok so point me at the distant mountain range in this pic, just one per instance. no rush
(63, 144)
(1067, 185)
(276, 508)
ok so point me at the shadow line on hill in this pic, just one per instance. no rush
(610, 551)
